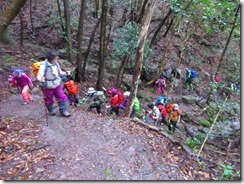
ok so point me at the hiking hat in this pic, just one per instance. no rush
(127, 93)
(176, 107)
(91, 90)
(150, 106)
(51, 55)
(17, 73)
(112, 91)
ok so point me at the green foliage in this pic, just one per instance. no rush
(127, 43)
(195, 142)
(7, 59)
(227, 172)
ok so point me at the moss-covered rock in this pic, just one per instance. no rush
(204, 123)
(188, 99)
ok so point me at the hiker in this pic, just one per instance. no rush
(161, 84)
(114, 103)
(49, 75)
(174, 116)
(72, 89)
(190, 75)
(163, 112)
(176, 72)
(20, 80)
(123, 105)
(231, 88)
(136, 108)
(153, 116)
(96, 98)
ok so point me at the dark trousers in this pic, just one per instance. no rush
(115, 109)
(173, 124)
(95, 105)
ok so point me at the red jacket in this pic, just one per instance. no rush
(163, 111)
(114, 102)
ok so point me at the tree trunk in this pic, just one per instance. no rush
(9, 14)
(21, 28)
(121, 70)
(160, 26)
(60, 16)
(68, 29)
(96, 8)
(83, 73)
(228, 41)
(100, 78)
(110, 25)
(31, 18)
(140, 52)
(78, 75)
(141, 12)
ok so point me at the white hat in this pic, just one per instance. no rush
(127, 93)
(176, 107)
(91, 90)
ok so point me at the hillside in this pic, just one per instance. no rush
(87, 146)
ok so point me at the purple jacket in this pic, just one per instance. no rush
(21, 81)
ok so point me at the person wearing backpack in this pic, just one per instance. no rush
(176, 72)
(190, 75)
(49, 75)
(163, 112)
(114, 103)
(174, 117)
(96, 98)
(20, 80)
(72, 89)
(161, 84)
(153, 116)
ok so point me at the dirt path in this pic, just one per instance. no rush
(89, 147)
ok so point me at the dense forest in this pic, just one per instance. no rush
(127, 45)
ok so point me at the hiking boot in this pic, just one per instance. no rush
(65, 114)
(25, 103)
(31, 101)
(52, 113)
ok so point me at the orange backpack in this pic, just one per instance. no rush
(170, 108)
(71, 87)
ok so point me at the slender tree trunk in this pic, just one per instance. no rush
(21, 28)
(60, 16)
(159, 27)
(139, 52)
(31, 18)
(170, 24)
(96, 7)
(79, 44)
(141, 11)
(83, 73)
(228, 41)
(124, 17)
(68, 29)
(110, 24)
(121, 70)
(9, 14)
(101, 68)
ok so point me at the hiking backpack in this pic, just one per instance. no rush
(101, 96)
(121, 97)
(159, 100)
(35, 67)
(193, 74)
(71, 87)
